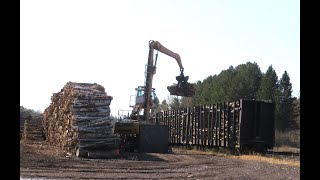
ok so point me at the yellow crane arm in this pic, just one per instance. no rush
(157, 46)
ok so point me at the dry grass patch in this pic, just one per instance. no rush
(208, 152)
(253, 157)
(268, 159)
(290, 138)
(286, 149)
(197, 151)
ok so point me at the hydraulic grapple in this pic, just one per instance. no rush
(182, 88)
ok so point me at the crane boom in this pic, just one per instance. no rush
(131, 136)
(156, 45)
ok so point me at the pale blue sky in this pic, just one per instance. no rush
(106, 42)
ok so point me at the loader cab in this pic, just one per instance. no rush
(140, 95)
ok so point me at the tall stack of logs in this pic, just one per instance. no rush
(78, 121)
(32, 128)
(23, 117)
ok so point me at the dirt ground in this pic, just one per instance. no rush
(41, 161)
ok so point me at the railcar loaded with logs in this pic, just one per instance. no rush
(241, 126)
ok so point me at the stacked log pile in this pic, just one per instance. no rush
(78, 120)
(32, 129)
(23, 116)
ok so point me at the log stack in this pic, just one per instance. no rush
(23, 117)
(78, 120)
(32, 129)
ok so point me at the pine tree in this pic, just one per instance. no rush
(164, 106)
(269, 85)
(246, 81)
(296, 113)
(231, 84)
(222, 88)
(174, 103)
(284, 103)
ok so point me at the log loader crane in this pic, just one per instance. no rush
(139, 132)
(144, 99)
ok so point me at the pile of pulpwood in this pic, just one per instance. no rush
(23, 117)
(32, 128)
(78, 121)
(30, 125)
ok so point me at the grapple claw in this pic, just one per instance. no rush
(183, 88)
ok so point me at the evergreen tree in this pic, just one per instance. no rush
(284, 103)
(164, 106)
(208, 90)
(231, 84)
(223, 87)
(269, 85)
(296, 113)
(174, 103)
(197, 98)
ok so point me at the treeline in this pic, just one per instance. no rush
(25, 111)
(246, 81)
